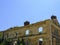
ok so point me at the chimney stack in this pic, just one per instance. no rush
(53, 17)
(26, 23)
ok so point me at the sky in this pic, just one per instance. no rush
(16, 12)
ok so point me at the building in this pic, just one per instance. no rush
(45, 32)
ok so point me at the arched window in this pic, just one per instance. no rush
(40, 30)
(41, 41)
(27, 32)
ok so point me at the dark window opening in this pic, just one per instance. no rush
(40, 42)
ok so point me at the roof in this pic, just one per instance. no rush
(19, 27)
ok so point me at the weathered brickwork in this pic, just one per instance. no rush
(41, 33)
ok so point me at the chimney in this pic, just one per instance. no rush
(53, 17)
(26, 23)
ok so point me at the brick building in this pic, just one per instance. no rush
(45, 32)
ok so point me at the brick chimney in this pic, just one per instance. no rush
(53, 17)
(26, 23)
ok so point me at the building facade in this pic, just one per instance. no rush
(45, 32)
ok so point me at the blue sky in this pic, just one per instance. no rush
(15, 12)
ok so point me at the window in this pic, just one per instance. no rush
(27, 42)
(27, 32)
(10, 35)
(40, 29)
(15, 43)
(16, 34)
(41, 41)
